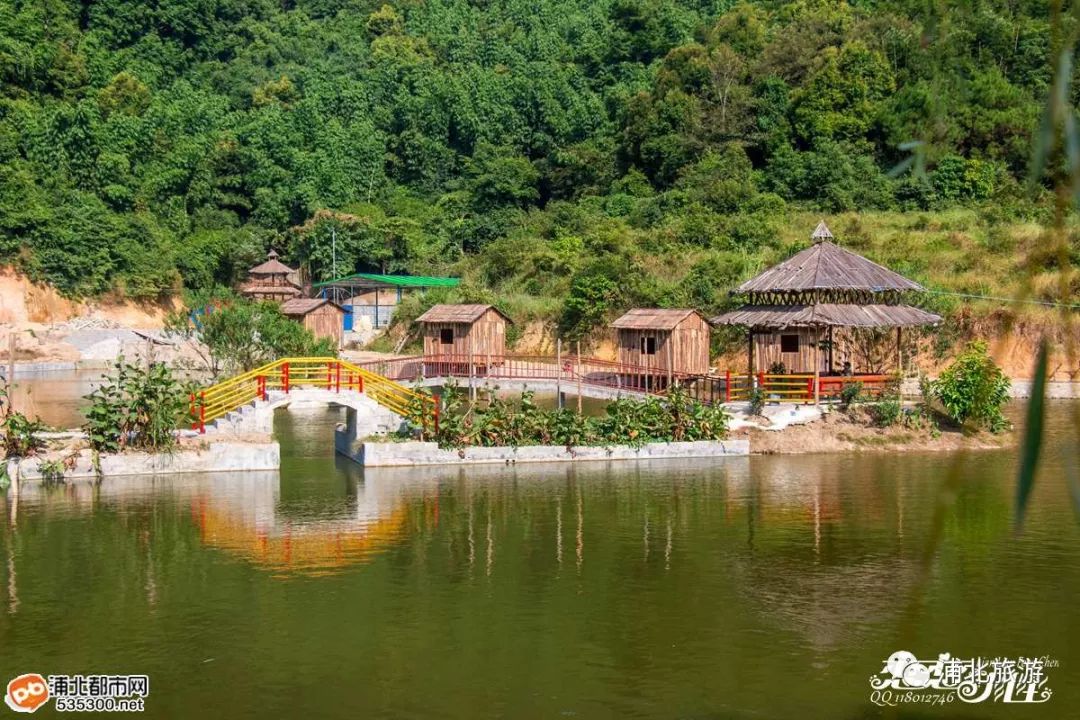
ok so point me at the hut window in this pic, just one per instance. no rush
(446, 336)
(648, 346)
(789, 343)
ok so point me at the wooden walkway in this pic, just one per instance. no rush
(570, 371)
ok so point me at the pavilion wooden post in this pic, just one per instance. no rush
(831, 366)
(670, 360)
(899, 354)
(578, 377)
(10, 363)
(750, 360)
(472, 371)
(817, 366)
(558, 374)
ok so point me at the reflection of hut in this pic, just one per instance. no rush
(664, 343)
(792, 308)
(322, 317)
(464, 334)
(271, 280)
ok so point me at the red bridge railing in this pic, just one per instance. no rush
(711, 388)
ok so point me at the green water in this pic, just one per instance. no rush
(765, 587)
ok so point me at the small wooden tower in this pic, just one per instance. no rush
(271, 280)
(668, 343)
(324, 318)
(465, 333)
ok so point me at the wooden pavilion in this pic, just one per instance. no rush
(665, 343)
(271, 280)
(793, 308)
(463, 336)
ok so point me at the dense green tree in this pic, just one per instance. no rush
(149, 146)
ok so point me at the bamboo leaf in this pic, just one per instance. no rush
(1031, 448)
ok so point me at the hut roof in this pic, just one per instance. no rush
(825, 314)
(458, 313)
(272, 266)
(653, 318)
(827, 266)
(303, 306)
(254, 288)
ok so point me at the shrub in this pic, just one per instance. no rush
(973, 388)
(887, 412)
(234, 334)
(20, 434)
(851, 394)
(757, 400)
(501, 422)
(136, 407)
(52, 471)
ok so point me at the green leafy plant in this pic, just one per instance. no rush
(974, 389)
(851, 394)
(52, 471)
(498, 421)
(20, 434)
(757, 398)
(137, 407)
(887, 412)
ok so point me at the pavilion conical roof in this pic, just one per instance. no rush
(827, 266)
(272, 266)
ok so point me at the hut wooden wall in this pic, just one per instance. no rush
(326, 322)
(433, 345)
(483, 337)
(684, 349)
(767, 351)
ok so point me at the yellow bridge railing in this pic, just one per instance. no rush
(328, 373)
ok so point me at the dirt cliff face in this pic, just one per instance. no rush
(24, 303)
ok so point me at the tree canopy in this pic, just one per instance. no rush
(149, 146)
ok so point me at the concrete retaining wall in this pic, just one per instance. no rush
(215, 457)
(398, 454)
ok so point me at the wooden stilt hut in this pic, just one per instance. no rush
(664, 344)
(462, 338)
(321, 316)
(793, 309)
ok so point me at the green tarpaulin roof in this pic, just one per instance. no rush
(371, 279)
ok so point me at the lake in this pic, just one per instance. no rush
(760, 587)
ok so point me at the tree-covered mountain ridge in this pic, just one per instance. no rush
(568, 158)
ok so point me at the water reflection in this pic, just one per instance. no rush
(243, 516)
(734, 588)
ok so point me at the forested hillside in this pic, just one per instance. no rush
(566, 156)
